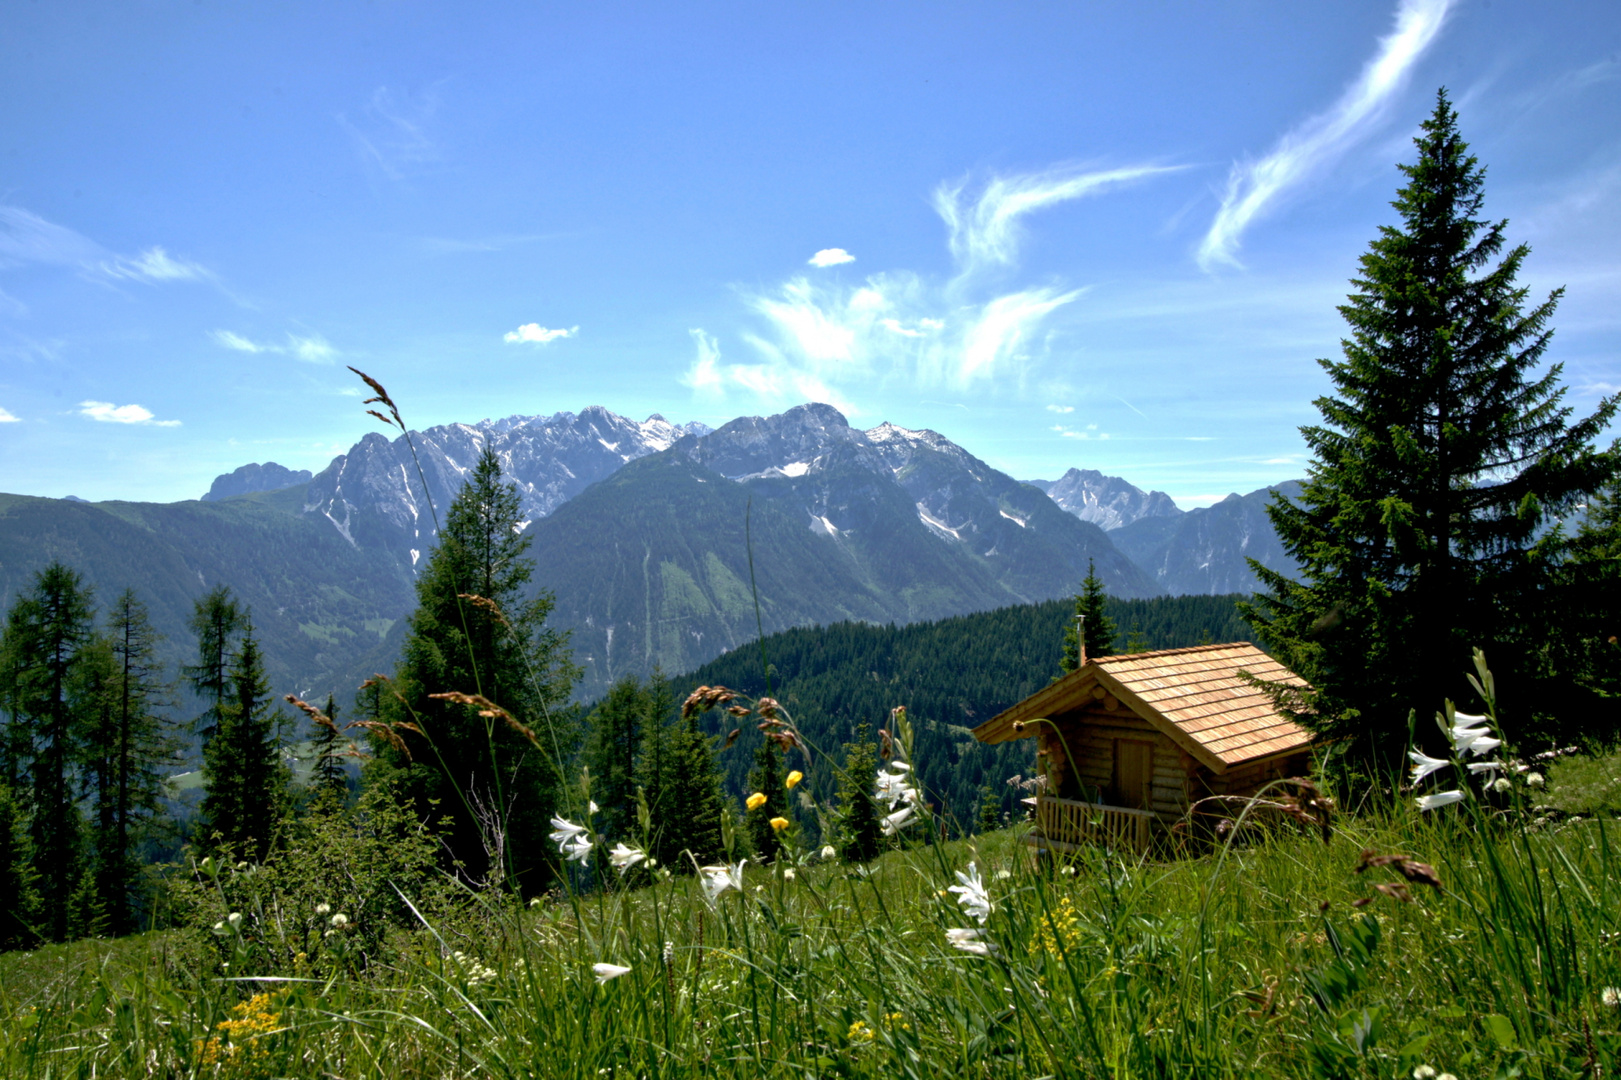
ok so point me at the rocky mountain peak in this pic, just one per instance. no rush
(255, 477)
(1106, 501)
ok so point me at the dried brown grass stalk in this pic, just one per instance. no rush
(489, 710)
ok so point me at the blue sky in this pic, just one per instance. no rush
(1108, 236)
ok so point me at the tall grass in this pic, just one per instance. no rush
(1256, 964)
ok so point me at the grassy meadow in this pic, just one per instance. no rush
(1276, 953)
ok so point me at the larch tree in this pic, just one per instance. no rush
(46, 633)
(128, 742)
(1444, 453)
(216, 620)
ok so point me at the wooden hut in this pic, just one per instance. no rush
(1151, 734)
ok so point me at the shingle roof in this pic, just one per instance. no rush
(1196, 696)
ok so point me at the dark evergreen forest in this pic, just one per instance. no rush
(951, 675)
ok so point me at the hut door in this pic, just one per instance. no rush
(1133, 773)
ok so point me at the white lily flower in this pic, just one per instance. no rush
(971, 894)
(1488, 767)
(623, 857)
(1484, 745)
(591, 807)
(899, 820)
(1423, 764)
(1442, 798)
(969, 941)
(608, 972)
(901, 765)
(576, 850)
(894, 790)
(717, 879)
(565, 831)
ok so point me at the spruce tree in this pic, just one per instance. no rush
(46, 633)
(693, 798)
(478, 629)
(1442, 454)
(244, 778)
(615, 732)
(328, 777)
(859, 830)
(1100, 629)
(766, 778)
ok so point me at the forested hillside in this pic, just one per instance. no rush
(951, 675)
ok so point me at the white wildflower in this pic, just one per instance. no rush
(970, 941)
(971, 894)
(565, 831)
(340, 919)
(717, 879)
(1502, 784)
(1423, 764)
(827, 851)
(1441, 798)
(235, 919)
(1610, 996)
(788, 874)
(1534, 780)
(624, 857)
(608, 972)
(323, 910)
(577, 849)
(1424, 1072)
(899, 820)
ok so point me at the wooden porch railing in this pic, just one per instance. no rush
(1072, 823)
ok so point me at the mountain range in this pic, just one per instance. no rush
(654, 537)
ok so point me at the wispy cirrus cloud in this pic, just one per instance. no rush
(1253, 187)
(391, 131)
(536, 334)
(310, 348)
(26, 238)
(6, 417)
(778, 383)
(108, 413)
(985, 230)
(960, 331)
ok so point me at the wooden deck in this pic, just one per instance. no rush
(1068, 825)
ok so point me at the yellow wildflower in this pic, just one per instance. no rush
(779, 823)
(755, 801)
(794, 778)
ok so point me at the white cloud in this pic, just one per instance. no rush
(108, 413)
(1061, 408)
(985, 232)
(831, 257)
(820, 333)
(25, 237)
(1312, 145)
(393, 131)
(774, 382)
(238, 342)
(312, 349)
(7, 418)
(536, 334)
(153, 264)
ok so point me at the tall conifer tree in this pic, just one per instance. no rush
(243, 774)
(1100, 629)
(128, 743)
(859, 829)
(475, 632)
(616, 730)
(1441, 456)
(216, 620)
(46, 633)
(767, 778)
